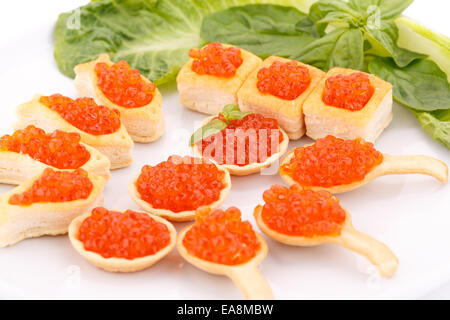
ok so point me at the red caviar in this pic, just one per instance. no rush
(222, 237)
(350, 92)
(126, 235)
(180, 183)
(216, 60)
(84, 114)
(298, 212)
(251, 139)
(124, 86)
(285, 80)
(58, 149)
(56, 186)
(331, 161)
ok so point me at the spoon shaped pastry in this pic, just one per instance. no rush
(121, 241)
(303, 217)
(220, 243)
(338, 165)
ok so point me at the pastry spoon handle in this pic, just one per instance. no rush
(375, 251)
(414, 164)
(251, 283)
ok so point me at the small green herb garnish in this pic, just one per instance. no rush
(229, 112)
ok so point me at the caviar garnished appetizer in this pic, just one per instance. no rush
(286, 80)
(127, 235)
(351, 92)
(84, 114)
(331, 161)
(58, 149)
(55, 186)
(124, 86)
(240, 139)
(222, 237)
(298, 212)
(181, 184)
(216, 60)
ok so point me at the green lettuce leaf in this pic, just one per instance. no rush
(154, 36)
(436, 124)
(262, 29)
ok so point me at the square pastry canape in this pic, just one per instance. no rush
(278, 89)
(348, 104)
(213, 75)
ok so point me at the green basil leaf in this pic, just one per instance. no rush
(340, 48)
(307, 25)
(262, 29)
(154, 36)
(323, 8)
(422, 85)
(388, 9)
(232, 112)
(230, 108)
(212, 127)
(383, 39)
(436, 124)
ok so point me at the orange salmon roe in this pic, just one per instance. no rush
(84, 114)
(298, 212)
(251, 139)
(222, 237)
(58, 149)
(331, 161)
(180, 183)
(285, 80)
(124, 86)
(216, 60)
(56, 186)
(348, 92)
(126, 235)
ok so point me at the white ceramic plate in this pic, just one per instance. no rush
(411, 214)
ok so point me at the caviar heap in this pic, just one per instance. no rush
(84, 114)
(124, 86)
(180, 184)
(350, 92)
(331, 161)
(58, 149)
(251, 139)
(221, 237)
(127, 235)
(216, 60)
(285, 80)
(56, 186)
(305, 213)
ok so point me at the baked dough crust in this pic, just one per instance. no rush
(116, 146)
(183, 215)
(16, 168)
(289, 113)
(38, 219)
(119, 264)
(368, 123)
(209, 94)
(252, 167)
(144, 124)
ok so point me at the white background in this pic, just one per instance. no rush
(22, 21)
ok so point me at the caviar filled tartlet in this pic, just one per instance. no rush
(278, 89)
(213, 75)
(118, 87)
(175, 188)
(348, 104)
(221, 243)
(339, 165)
(121, 241)
(242, 142)
(47, 203)
(26, 153)
(98, 126)
(303, 217)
